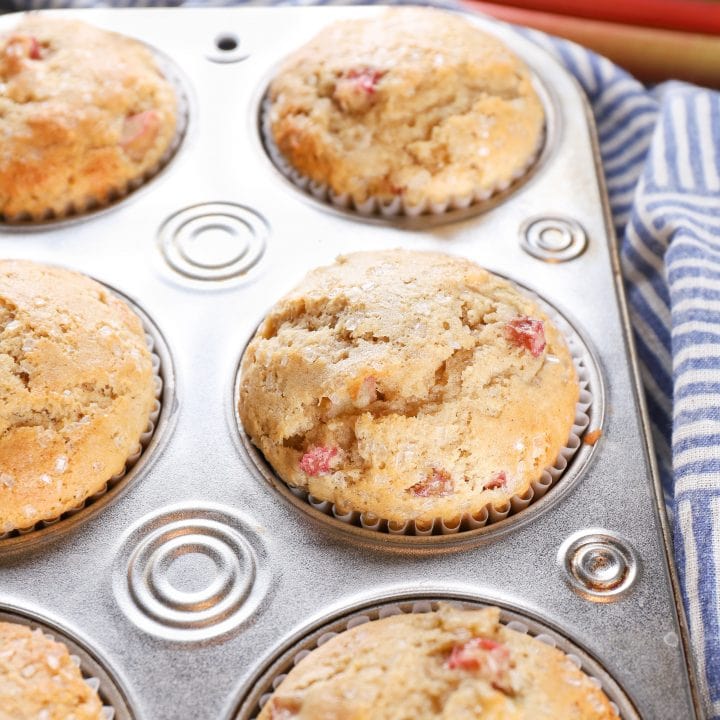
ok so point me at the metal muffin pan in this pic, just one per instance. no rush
(198, 575)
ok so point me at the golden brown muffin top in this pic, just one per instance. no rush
(446, 665)
(83, 112)
(408, 385)
(415, 103)
(77, 386)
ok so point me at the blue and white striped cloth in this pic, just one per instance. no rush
(661, 153)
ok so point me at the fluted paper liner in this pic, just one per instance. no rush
(108, 711)
(374, 206)
(93, 682)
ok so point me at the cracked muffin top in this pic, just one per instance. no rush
(416, 103)
(39, 680)
(408, 386)
(446, 665)
(83, 113)
(77, 386)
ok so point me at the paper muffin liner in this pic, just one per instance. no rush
(131, 461)
(380, 611)
(92, 682)
(76, 209)
(490, 513)
(397, 207)
(89, 675)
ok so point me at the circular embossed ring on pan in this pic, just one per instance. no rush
(190, 572)
(95, 671)
(214, 241)
(553, 239)
(599, 564)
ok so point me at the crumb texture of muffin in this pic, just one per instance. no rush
(409, 386)
(416, 102)
(83, 113)
(39, 680)
(446, 665)
(77, 385)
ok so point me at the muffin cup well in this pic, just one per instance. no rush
(263, 687)
(590, 396)
(114, 701)
(90, 204)
(398, 207)
(160, 420)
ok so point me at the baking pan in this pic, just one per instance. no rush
(198, 582)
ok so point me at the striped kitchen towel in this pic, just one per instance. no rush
(661, 153)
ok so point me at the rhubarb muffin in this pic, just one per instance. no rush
(408, 386)
(77, 384)
(40, 681)
(416, 106)
(449, 664)
(85, 114)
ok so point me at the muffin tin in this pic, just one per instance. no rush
(198, 581)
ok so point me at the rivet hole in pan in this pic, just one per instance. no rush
(313, 195)
(254, 692)
(136, 187)
(151, 442)
(497, 524)
(116, 700)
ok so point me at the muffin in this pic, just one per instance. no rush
(415, 105)
(39, 680)
(84, 114)
(77, 384)
(408, 386)
(450, 665)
